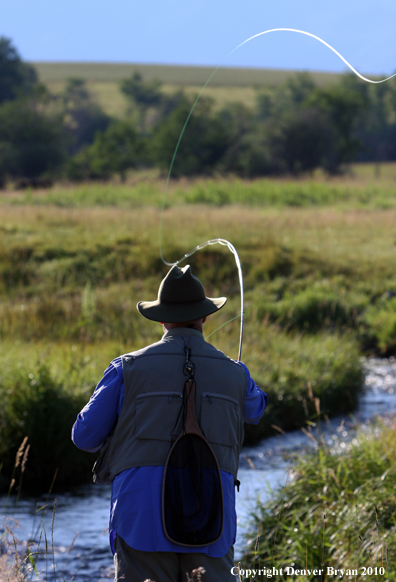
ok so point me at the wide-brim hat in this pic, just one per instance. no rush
(181, 297)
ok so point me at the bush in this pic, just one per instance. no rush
(314, 308)
(114, 151)
(305, 377)
(35, 406)
(378, 330)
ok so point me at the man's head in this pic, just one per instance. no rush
(181, 299)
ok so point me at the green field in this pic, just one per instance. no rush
(318, 261)
(172, 74)
(228, 84)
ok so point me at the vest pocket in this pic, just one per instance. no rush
(220, 419)
(157, 414)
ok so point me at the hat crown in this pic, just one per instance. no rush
(180, 286)
(181, 298)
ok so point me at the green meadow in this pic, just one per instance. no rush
(229, 84)
(171, 74)
(318, 261)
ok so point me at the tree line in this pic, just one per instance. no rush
(293, 128)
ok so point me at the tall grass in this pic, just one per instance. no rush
(337, 510)
(35, 558)
(147, 188)
(35, 406)
(305, 377)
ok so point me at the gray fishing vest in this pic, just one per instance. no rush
(150, 417)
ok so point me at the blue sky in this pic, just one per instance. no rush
(203, 32)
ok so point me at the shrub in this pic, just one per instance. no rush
(379, 327)
(305, 377)
(314, 308)
(35, 406)
(114, 151)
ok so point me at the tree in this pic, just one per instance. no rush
(299, 88)
(16, 78)
(343, 105)
(256, 156)
(202, 146)
(148, 101)
(143, 94)
(238, 121)
(31, 142)
(114, 151)
(305, 140)
(376, 124)
(83, 118)
(275, 102)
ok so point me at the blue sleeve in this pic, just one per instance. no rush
(98, 417)
(256, 400)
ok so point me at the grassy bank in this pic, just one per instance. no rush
(336, 510)
(319, 282)
(43, 387)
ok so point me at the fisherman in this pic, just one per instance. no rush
(132, 418)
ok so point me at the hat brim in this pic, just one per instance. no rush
(180, 312)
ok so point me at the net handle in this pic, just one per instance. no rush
(191, 425)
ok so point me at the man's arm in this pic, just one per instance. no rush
(256, 400)
(99, 415)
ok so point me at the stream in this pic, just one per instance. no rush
(78, 532)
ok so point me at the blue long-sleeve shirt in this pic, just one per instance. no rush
(135, 509)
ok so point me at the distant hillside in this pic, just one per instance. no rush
(228, 84)
(172, 74)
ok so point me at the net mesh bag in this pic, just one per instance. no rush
(192, 493)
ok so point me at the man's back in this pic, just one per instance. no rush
(150, 417)
(135, 415)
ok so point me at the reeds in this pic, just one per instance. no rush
(337, 511)
(34, 559)
(18, 560)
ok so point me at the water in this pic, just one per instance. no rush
(80, 520)
(263, 468)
